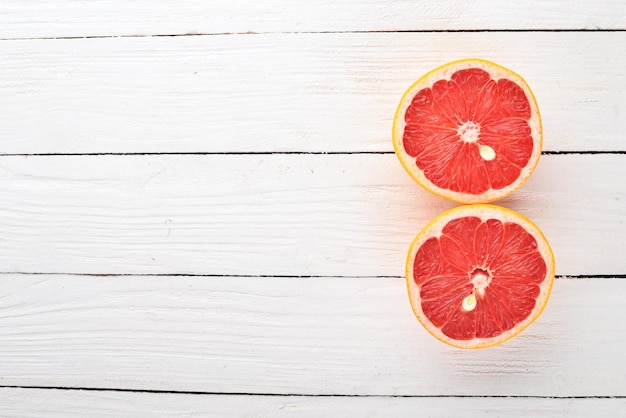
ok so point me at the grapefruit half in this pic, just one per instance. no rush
(478, 275)
(469, 131)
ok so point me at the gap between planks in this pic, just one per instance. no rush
(303, 395)
(104, 154)
(322, 32)
(280, 276)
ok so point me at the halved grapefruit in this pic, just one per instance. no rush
(478, 275)
(469, 131)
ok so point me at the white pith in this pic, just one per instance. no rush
(481, 282)
(469, 132)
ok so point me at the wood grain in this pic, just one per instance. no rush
(47, 18)
(330, 336)
(26, 403)
(275, 214)
(285, 92)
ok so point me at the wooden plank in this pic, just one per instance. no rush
(315, 336)
(275, 214)
(303, 92)
(26, 403)
(47, 18)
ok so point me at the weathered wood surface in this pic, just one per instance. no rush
(285, 92)
(259, 275)
(71, 18)
(275, 214)
(304, 336)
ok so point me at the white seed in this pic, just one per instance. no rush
(469, 303)
(486, 152)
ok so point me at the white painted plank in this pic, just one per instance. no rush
(275, 214)
(285, 92)
(47, 18)
(26, 403)
(333, 336)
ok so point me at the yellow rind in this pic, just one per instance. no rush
(478, 342)
(458, 197)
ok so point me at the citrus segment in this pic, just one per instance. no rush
(469, 131)
(478, 275)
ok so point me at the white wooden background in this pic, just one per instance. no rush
(201, 213)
